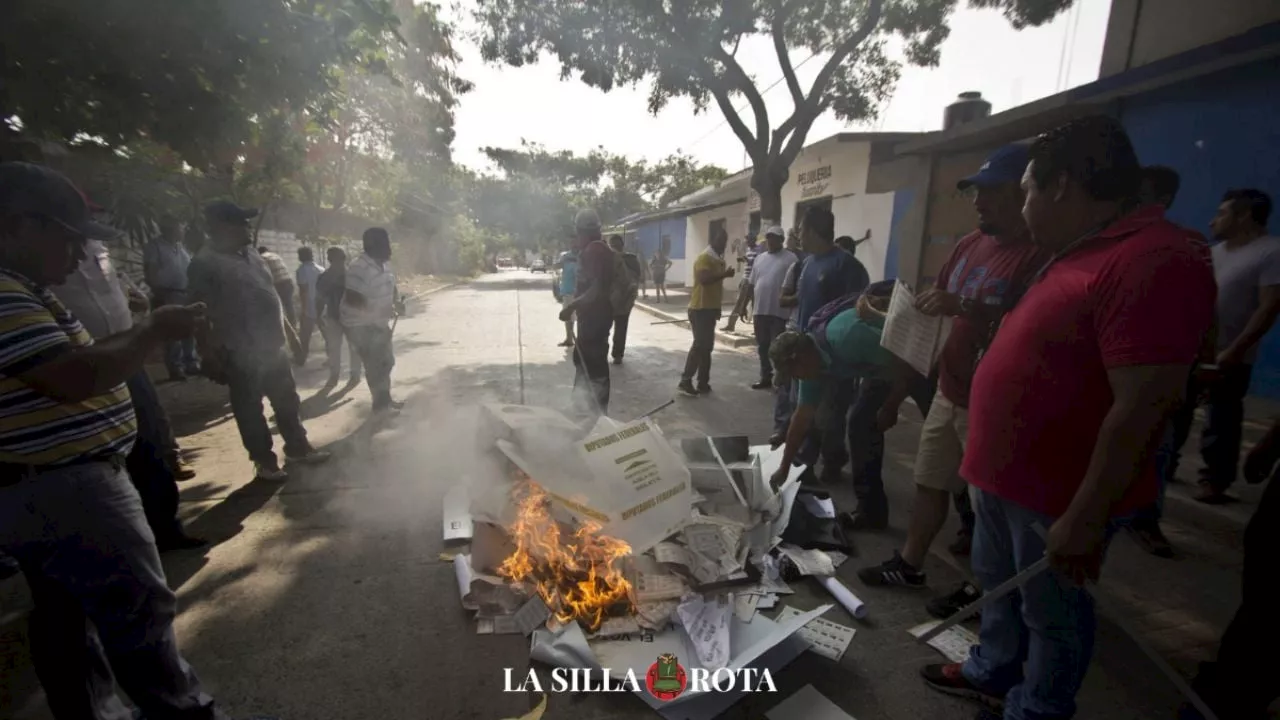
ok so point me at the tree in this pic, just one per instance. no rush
(191, 75)
(687, 48)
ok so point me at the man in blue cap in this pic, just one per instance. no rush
(974, 288)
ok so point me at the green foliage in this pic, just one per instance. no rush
(686, 48)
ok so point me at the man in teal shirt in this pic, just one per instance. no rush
(568, 265)
(847, 348)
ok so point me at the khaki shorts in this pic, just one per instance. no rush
(942, 440)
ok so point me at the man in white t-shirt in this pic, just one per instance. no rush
(307, 274)
(768, 273)
(368, 307)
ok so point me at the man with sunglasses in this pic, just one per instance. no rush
(243, 344)
(68, 512)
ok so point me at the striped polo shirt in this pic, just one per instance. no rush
(36, 429)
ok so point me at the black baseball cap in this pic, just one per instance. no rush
(225, 212)
(27, 188)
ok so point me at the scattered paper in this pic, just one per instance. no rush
(808, 562)
(807, 704)
(845, 596)
(706, 540)
(818, 506)
(744, 606)
(911, 335)
(457, 514)
(954, 642)
(670, 553)
(653, 587)
(655, 615)
(473, 588)
(828, 639)
(617, 627)
(707, 624)
(767, 602)
(498, 625)
(837, 558)
(532, 615)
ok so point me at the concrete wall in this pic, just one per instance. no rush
(1219, 132)
(698, 232)
(1143, 31)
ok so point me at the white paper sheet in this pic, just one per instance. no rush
(651, 587)
(457, 514)
(818, 507)
(744, 606)
(707, 623)
(807, 704)
(953, 643)
(671, 554)
(914, 337)
(532, 615)
(828, 639)
(837, 558)
(618, 626)
(707, 540)
(767, 602)
(808, 562)
(498, 625)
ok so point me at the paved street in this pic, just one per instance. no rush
(325, 597)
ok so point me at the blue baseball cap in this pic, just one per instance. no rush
(1005, 165)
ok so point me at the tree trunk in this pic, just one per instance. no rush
(768, 182)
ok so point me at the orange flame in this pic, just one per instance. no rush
(580, 576)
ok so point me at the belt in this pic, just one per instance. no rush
(13, 473)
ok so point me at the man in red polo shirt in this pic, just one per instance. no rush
(1066, 409)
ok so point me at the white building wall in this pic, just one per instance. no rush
(858, 213)
(1143, 31)
(697, 234)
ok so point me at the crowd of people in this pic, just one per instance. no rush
(88, 458)
(1085, 330)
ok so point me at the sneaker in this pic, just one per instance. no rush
(894, 571)
(763, 384)
(962, 545)
(1148, 535)
(263, 471)
(704, 389)
(953, 602)
(950, 680)
(686, 388)
(310, 457)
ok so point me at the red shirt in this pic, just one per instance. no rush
(1137, 294)
(990, 274)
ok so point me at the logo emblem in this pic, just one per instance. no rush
(666, 678)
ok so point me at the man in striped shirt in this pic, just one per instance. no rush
(68, 512)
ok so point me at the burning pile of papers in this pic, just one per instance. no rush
(614, 548)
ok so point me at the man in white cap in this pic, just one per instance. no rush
(765, 283)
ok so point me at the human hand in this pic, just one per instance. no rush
(886, 418)
(779, 476)
(1074, 547)
(175, 322)
(938, 302)
(1230, 356)
(730, 272)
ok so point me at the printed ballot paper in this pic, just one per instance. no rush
(828, 639)
(707, 623)
(630, 481)
(953, 643)
(913, 336)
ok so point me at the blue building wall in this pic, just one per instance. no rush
(649, 234)
(902, 200)
(1219, 131)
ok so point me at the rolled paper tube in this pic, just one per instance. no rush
(856, 607)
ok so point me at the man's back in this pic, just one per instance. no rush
(243, 308)
(826, 277)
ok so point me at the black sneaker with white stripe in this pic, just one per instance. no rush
(894, 571)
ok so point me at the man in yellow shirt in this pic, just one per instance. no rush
(709, 272)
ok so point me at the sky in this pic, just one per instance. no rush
(983, 53)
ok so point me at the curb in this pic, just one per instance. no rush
(722, 338)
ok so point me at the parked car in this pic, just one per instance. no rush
(538, 266)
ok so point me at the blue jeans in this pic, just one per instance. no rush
(1047, 625)
(103, 611)
(783, 407)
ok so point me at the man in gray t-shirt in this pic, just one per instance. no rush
(1246, 265)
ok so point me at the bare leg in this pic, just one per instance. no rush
(927, 517)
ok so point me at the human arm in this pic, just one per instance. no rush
(706, 274)
(1150, 315)
(71, 374)
(593, 264)
(1259, 323)
(789, 283)
(797, 429)
(903, 374)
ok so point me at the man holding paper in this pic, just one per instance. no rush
(974, 288)
(1066, 408)
(847, 347)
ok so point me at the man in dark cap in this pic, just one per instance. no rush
(594, 310)
(68, 511)
(244, 343)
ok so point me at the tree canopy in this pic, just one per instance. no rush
(688, 48)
